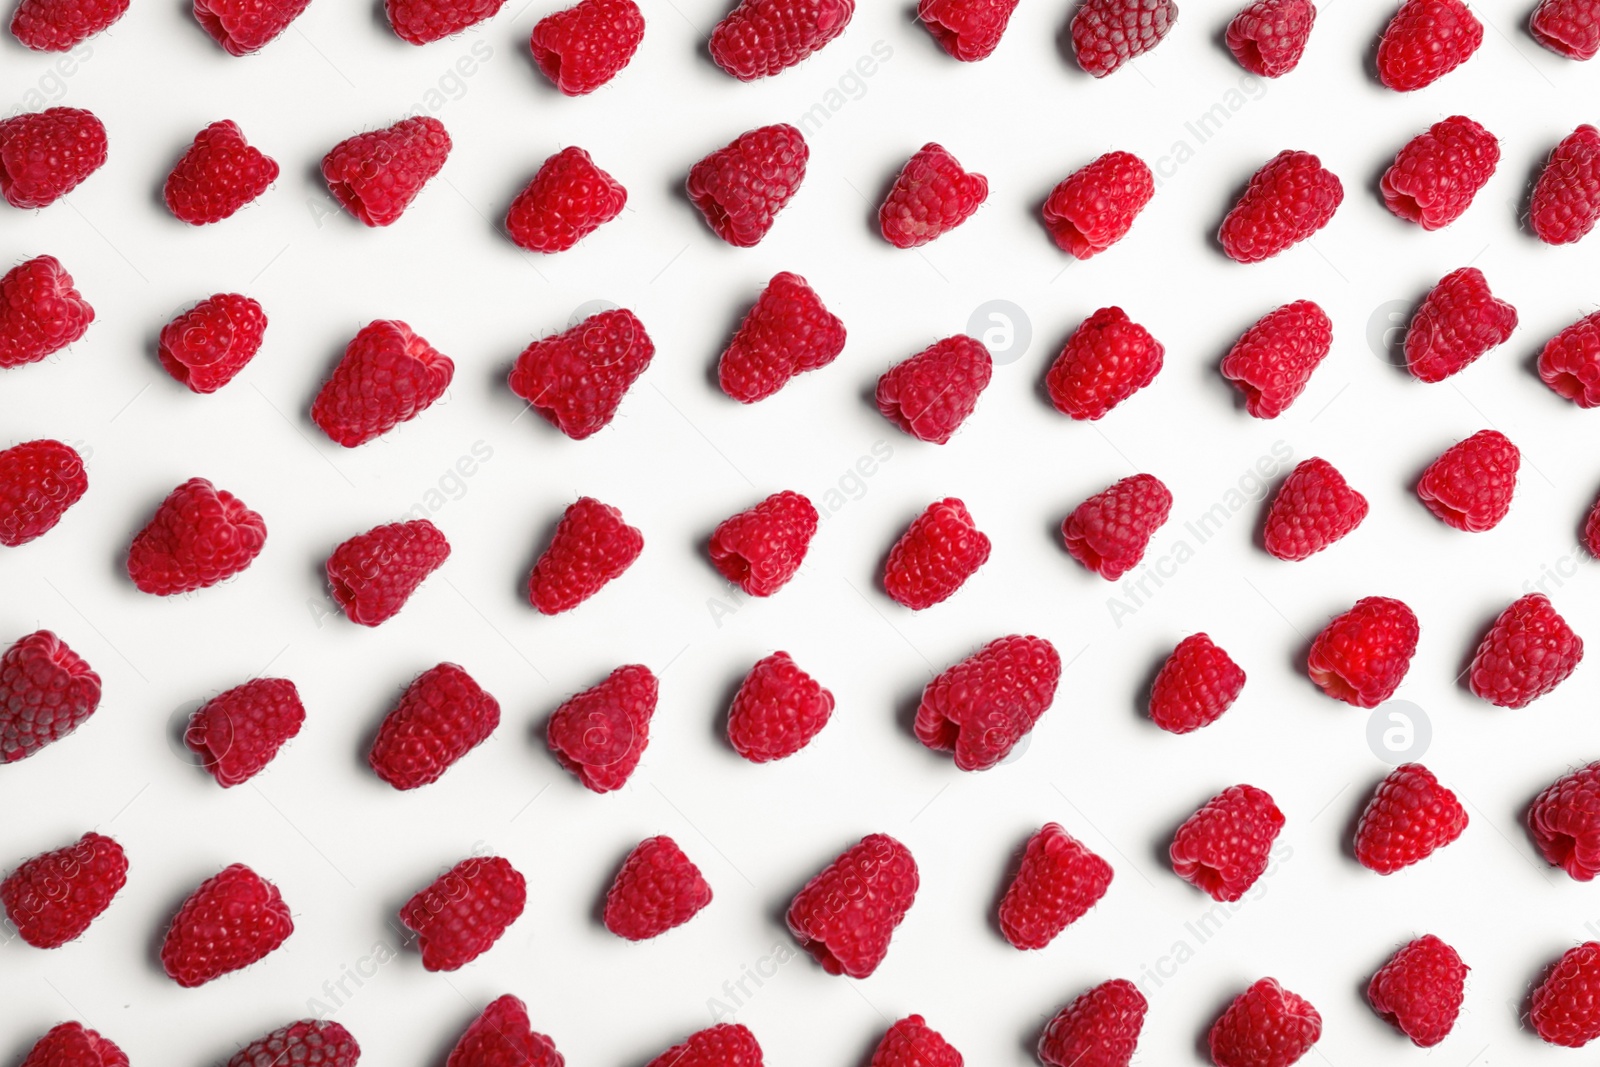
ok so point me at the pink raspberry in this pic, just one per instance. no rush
(586, 45)
(1566, 198)
(1362, 656)
(1100, 1028)
(1094, 207)
(62, 25)
(1059, 881)
(568, 199)
(307, 1043)
(1425, 40)
(1223, 848)
(786, 333)
(40, 312)
(233, 919)
(1435, 176)
(1470, 485)
(1410, 817)
(53, 897)
(969, 30)
(1108, 33)
(1456, 323)
(778, 709)
(658, 888)
(465, 911)
(1109, 532)
(723, 1045)
(846, 915)
(1528, 651)
(217, 175)
(39, 482)
(1269, 36)
(73, 1045)
(372, 575)
(237, 733)
(199, 536)
(1108, 358)
(1197, 683)
(1290, 198)
(1420, 990)
(935, 556)
(760, 38)
(503, 1036)
(46, 692)
(601, 733)
(425, 21)
(44, 155)
(591, 546)
(576, 380)
(205, 347)
(1565, 1007)
(1568, 28)
(1265, 1026)
(1275, 358)
(911, 1042)
(245, 26)
(1570, 362)
(387, 375)
(741, 187)
(1565, 822)
(931, 196)
(376, 175)
(443, 714)
(1314, 507)
(761, 548)
(931, 394)
(983, 706)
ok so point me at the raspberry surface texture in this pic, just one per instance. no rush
(1528, 651)
(219, 173)
(442, 715)
(233, 919)
(931, 394)
(1362, 656)
(723, 1045)
(601, 733)
(741, 187)
(74, 1045)
(1570, 362)
(576, 380)
(39, 481)
(1458, 321)
(387, 375)
(376, 175)
(778, 709)
(1195, 686)
(372, 575)
(586, 45)
(52, 898)
(1223, 848)
(1565, 1007)
(1314, 507)
(424, 21)
(245, 26)
(592, 546)
(568, 199)
(1568, 28)
(44, 155)
(46, 692)
(932, 195)
(1420, 990)
(1435, 176)
(503, 1036)
(200, 535)
(786, 333)
(307, 1043)
(846, 915)
(1108, 358)
(1109, 532)
(1269, 36)
(1471, 484)
(1265, 1026)
(237, 733)
(969, 30)
(1059, 880)
(206, 347)
(1094, 207)
(1108, 33)
(1100, 1028)
(980, 708)
(935, 556)
(1272, 362)
(1424, 41)
(760, 38)
(1289, 199)
(1565, 822)
(465, 911)
(1566, 198)
(1410, 817)
(658, 888)
(40, 311)
(911, 1042)
(61, 25)
(761, 548)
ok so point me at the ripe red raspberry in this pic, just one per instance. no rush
(1314, 508)
(388, 375)
(245, 26)
(1568, 28)
(931, 394)
(72, 1045)
(911, 1042)
(981, 707)
(1265, 1026)
(425, 21)
(1225, 846)
(1470, 485)
(762, 547)
(935, 556)
(206, 346)
(591, 546)
(1273, 361)
(568, 199)
(723, 1045)
(1565, 1007)
(44, 155)
(502, 1036)
(778, 709)
(786, 333)
(1566, 198)
(1526, 653)
(1269, 36)
(1409, 817)
(1570, 362)
(1108, 33)
(465, 911)
(1362, 656)
(931, 196)
(1435, 176)
(1420, 990)
(372, 575)
(235, 918)
(62, 25)
(1565, 822)
(1196, 684)
(217, 175)
(237, 733)
(741, 187)
(1108, 358)
(657, 889)
(969, 30)
(46, 692)
(443, 715)
(1059, 880)
(40, 312)
(52, 898)
(600, 733)
(1426, 40)
(1109, 532)
(760, 38)
(376, 175)
(1290, 198)
(1094, 207)
(1456, 323)
(588, 44)
(307, 1043)
(39, 481)
(199, 536)
(576, 380)
(846, 915)
(1100, 1028)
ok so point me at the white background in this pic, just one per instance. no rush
(347, 850)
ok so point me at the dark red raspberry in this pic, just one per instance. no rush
(1566, 198)
(387, 375)
(1570, 362)
(576, 380)
(1362, 656)
(931, 394)
(723, 1045)
(591, 546)
(199, 536)
(1265, 1026)
(1420, 990)
(1273, 361)
(1565, 822)
(1100, 1028)
(46, 692)
(1456, 323)
(235, 918)
(981, 707)
(425, 21)
(1290, 198)
(1565, 1008)
(307, 1043)
(1109, 532)
(44, 155)
(72, 1045)
(1426, 40)
(1568, 28)
(1225, 846)
(1269, 36)
(206, 346)
(503, 1036)
(443, 715)
(846, 915)
(760, 38)
(61, 25)
(762, 547)
(786, 333)
(931, 196)
(1059, 880)
(568, 199)
(1094, 207)
(372, 575)
(911, 1042)
(217, 175)
(1435, 176)
(376, 175)
(1196, 684)
(1314, 507)
(237, 733)
(586, 45)
(657, 889)
(465, 911)
(1526, 653)
(1409, 817)
(1591, 531)
(969, 30)
(740, 188)
(778, 709)
(245, 26)
(935, 556)
(39, 481)
(1470, 485)
(1108, 358)
(52, 898)
(1108, 33)
(600, 734)
(40, 312)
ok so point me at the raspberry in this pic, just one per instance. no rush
(1409, 817)
(576, 380)
(1565, 822)
(1435, 176)
(1225, 846)
(1094, 207)
(741, 187)
(388, 375)
(46, 692)
(1470, 485)
(1565, 1007)
(981, 707)
(911, 1042)
(1198, 682)
(931, 196)
(1108, 358)
(443, 715)
(376, 175)
(600, 733)
(1265, 1026)
(1426, 40)
(465, 911)
(778, 709)
(199, 536)
(52, 898)
(1566, 198)
(568, 199)
(1362, 656)
(1290, 198)
(1568, 28)
(936, 555)
(72, 1045)
(1275, 358)
(425, 21)
(1420, 990)
(786, 333)
(372, 575)
(1109, 532)
(502, 1036)
(235, 918)
(1108, 33)
(761, 548)
(40, 312)
(237, 733)
(969, 30)
(846, 915)
(39, 481)
(44, 155)
(62, 25)
(657, 889)
(1100, 1028)
(591, 546)
(1456, 323)
(245, 26)
(588, 44)
(931, 394)
(1591, 531)
(1570, 362)
(1526, 653)
(217, 175)
(1057, 884)
(206, 346)
(1269, 36)
(723, 1045)
(1314, 508)
(760, 38)
(307, 1043)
